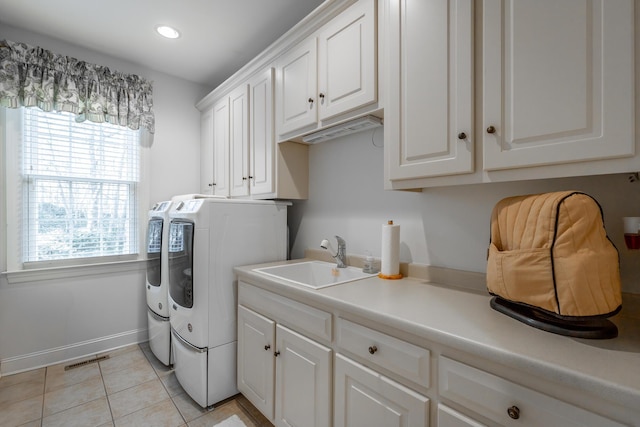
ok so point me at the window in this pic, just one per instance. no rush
(78, 186)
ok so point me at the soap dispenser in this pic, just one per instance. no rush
(369, 264)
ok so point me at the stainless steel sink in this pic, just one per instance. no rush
(314, 274)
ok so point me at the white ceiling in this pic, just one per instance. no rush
(218, 36)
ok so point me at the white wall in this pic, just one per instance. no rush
(47, 321)
(446, 226)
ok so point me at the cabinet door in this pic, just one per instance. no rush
(239, 141)
(221, 148)
(261, 135)
(206, 152)
(364, 398)
(347, 60)
(303, 378)
(256, 346)
(558, 81)
(297, 88)
(429, 54)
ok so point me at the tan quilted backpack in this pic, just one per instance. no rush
(551, 252)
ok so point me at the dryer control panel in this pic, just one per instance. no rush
(189, 206)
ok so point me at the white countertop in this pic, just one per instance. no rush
(464, 321)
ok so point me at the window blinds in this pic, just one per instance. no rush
(79, 187)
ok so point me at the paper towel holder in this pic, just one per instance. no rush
(381, 274)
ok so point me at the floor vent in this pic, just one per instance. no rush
(86, 362)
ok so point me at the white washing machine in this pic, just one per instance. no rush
(157, 283)
(207, 238)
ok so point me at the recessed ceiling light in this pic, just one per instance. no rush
(168, 32)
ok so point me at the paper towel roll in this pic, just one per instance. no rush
(390, 262)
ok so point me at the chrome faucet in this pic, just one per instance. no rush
(341, 253)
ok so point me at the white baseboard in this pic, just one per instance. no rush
(54, 356)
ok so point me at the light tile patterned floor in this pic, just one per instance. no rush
(131, 388)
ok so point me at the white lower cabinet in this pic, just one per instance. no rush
(256, 364)
(303, 381)
(365, 398)
(283, 373)
(504, 402)
(377, 349)
(303, 366)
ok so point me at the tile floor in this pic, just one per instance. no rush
(130, 388)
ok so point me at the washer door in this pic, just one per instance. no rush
(154, 247)
(190, 367)
(181, 262)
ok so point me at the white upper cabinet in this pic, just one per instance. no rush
(331, 75)
(558, 81)
(239, 140)
(429, 114)
(261, 135)
(221, 148)
(297, 88)
(206, 152)
(246, 162)
(555, 85)
(347, 77)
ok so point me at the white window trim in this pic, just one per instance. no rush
(66, 272)
(3, 187)
(10, 262)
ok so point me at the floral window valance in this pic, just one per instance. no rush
(35, 77)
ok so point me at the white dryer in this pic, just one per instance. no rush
(157, 283)
(207, 238)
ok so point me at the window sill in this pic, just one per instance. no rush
(66, 272)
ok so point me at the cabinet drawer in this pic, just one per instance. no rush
(300, 317)
(507, 403)
(393, 354)
(447, 417)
